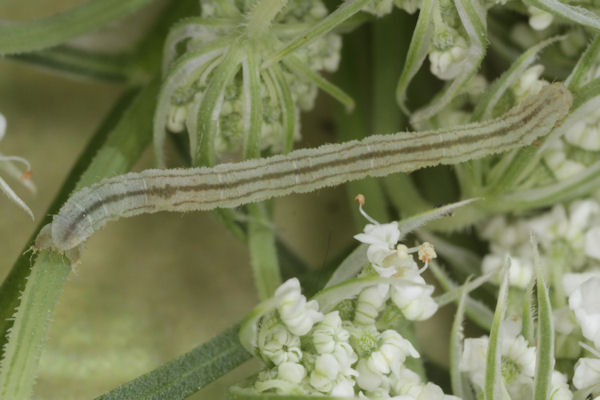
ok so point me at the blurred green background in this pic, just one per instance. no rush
(152, 287)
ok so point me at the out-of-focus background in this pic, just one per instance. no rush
(152, 287)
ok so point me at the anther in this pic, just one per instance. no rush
(360, 199)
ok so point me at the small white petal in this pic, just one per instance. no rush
(587, 372)
(291, 372)
(592, 243)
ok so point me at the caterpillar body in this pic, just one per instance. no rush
(305, 170)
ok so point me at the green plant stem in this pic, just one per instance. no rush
(123, 146)
(28, 334)
(263, 252)
(14, 283)
(58, 28)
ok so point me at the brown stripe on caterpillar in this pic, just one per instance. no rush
(230, 185)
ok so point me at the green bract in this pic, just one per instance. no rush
(216, 89)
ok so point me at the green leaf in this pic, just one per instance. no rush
(476, 311)
(201, 140)
(304, 71)
(188, 373)
(577, 186)
(39, 34)
(460, 387)
(79, 63)
(350, 267)
(288, 107)
(585, 64)
(342, 13)
(545, 333)
(417, 51)
(413, 222)
(528, 316)
(185, 69)
(493, 388)
(494, 93)
(576, 14)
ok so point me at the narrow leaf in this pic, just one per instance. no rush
(417, 51)
(39, 34)
(494, 93)
(460, 387)
(576, 14)
(301, 69)
(342, 13)
(585, 64)
(493, 369)
(545, 333)
(190, 372)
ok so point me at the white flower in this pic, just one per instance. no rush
(518, 361)
(555, 157)
(326, 370)
(368, 379)
(559, 388)
(587, 372)
(529, 82)
(585, 133)
(297, 314)
(592, 243)
(447, 63)
(473, 359)
(370, 302)
(562, 320)
(414, 300)
(330, 337)
(539, 19)
(381, 238)
(277, 344)
(328, 373)
(8, 165)
(585, 303)
(344, 388)
(291, 372)
(392, 352)
(520, 272)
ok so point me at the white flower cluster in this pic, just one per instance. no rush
(8, 165)
(342, 352)
(568, 238)
(518, 361)
(322, 54)
(565, 235)
(448, 55)
(383, 7)
(583, 291)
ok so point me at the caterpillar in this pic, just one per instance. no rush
(304, 170)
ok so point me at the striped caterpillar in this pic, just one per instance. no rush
(305, 170)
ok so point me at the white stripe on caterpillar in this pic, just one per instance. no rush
(305, 170)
